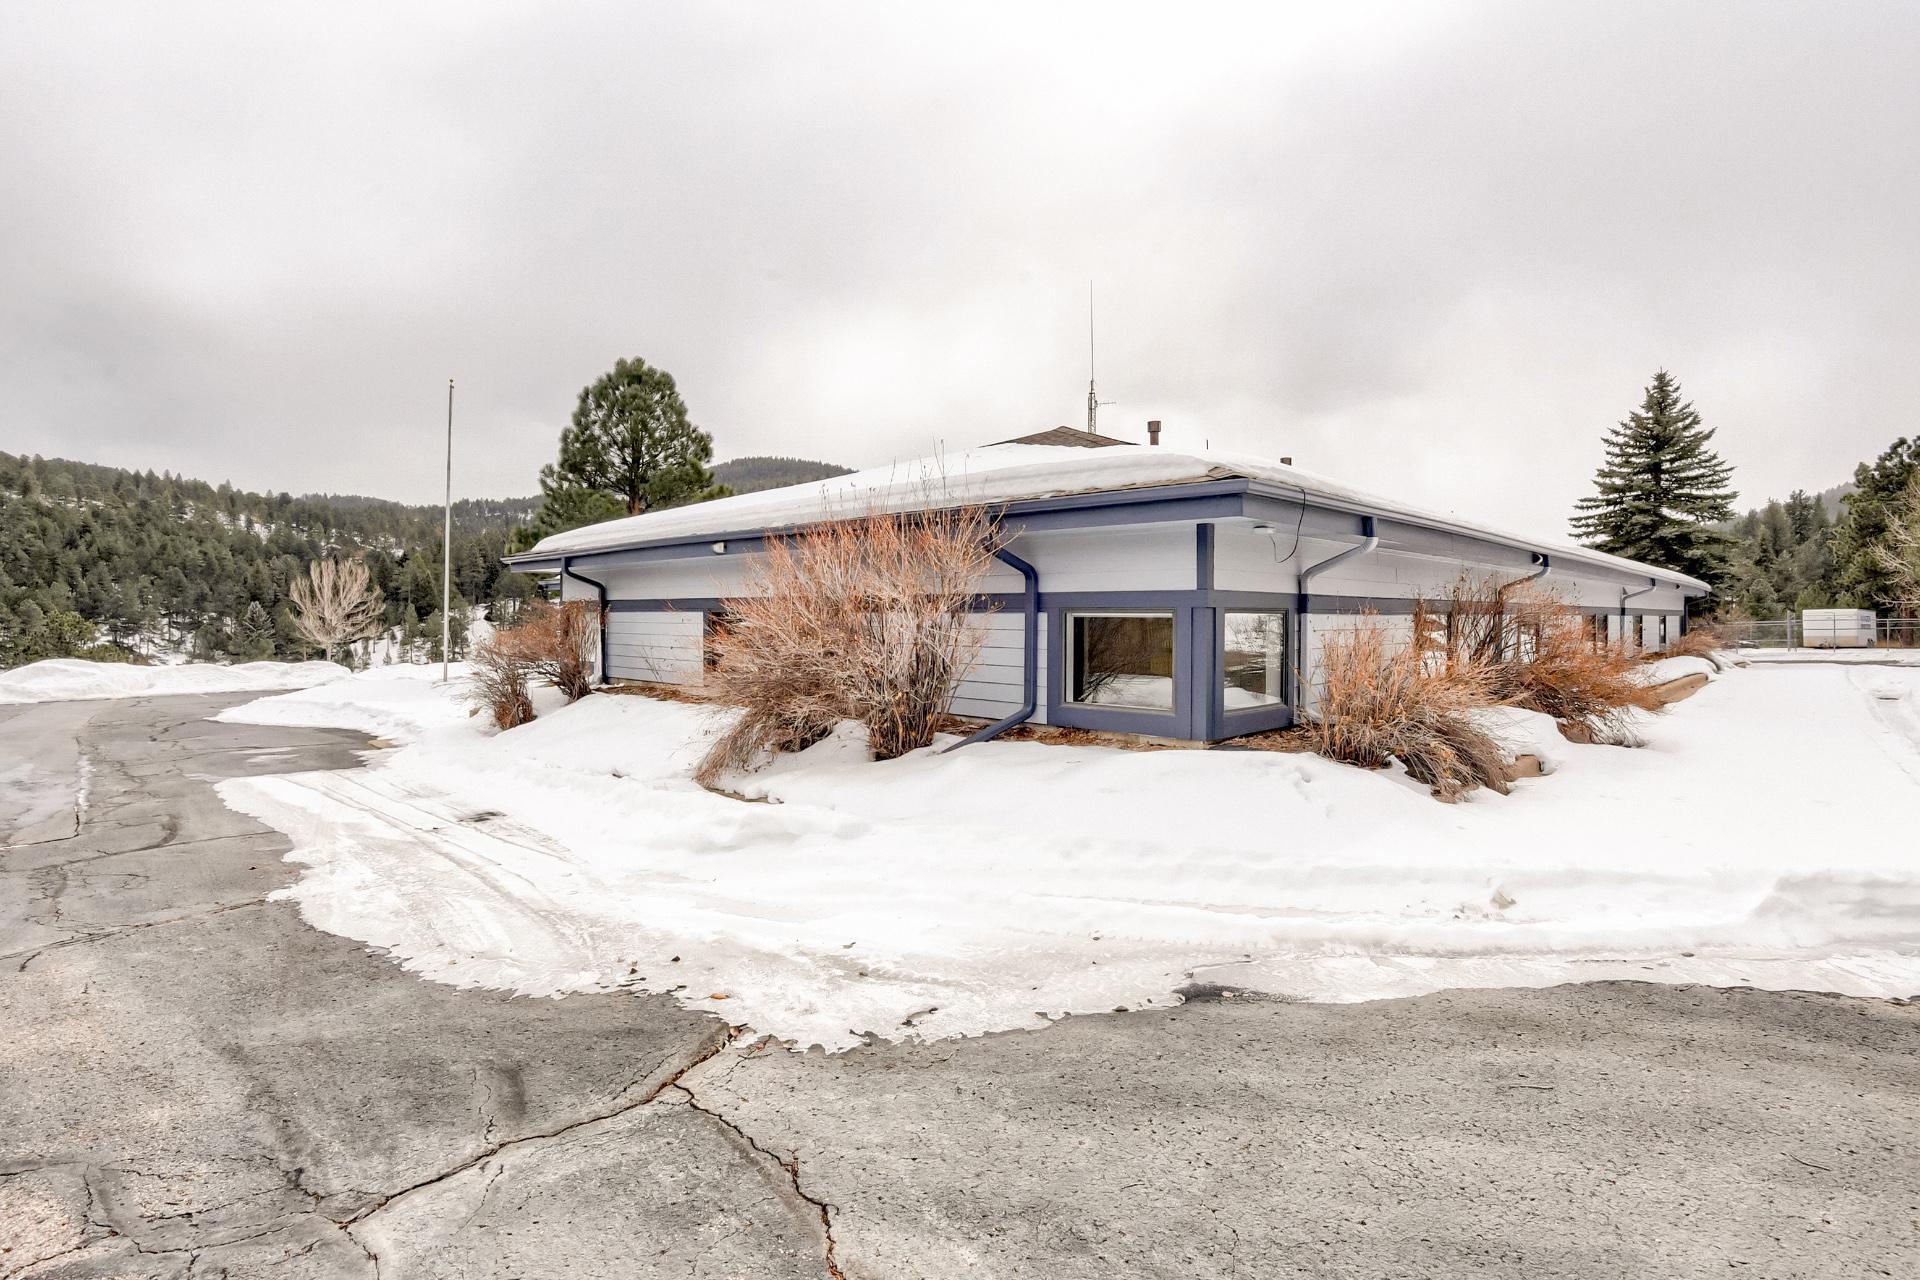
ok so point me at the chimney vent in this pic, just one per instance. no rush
(1153, 431)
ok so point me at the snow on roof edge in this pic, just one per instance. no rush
(1005, 473)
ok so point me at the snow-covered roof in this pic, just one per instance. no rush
(1004, 473)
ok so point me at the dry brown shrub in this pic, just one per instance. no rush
(1698, 642)
(1540, 654)
(868, 619)
(1384, 701)
(498, 684)
(556, 644)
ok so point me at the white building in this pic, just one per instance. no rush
(1141, 589)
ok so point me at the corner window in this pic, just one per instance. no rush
(1120, 660)
(1253, 666)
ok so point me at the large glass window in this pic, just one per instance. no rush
(1253, 666)
(1120, 660)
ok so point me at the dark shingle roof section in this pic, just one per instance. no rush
(1068, 437)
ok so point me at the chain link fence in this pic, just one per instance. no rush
(1785, 633)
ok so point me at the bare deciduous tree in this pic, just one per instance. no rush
(869, 620)
(336, 604)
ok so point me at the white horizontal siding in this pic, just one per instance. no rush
(663, 647)
(994, 686)
(1319, 627)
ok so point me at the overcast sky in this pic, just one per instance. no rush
(1433, 250)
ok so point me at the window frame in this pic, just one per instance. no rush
(1219, 693)
(1070, 653)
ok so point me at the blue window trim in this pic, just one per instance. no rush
(1177, 723)
(1222, 723)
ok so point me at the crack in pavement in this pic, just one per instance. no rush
(790, 1166)
(100, 935)
(701, 1055)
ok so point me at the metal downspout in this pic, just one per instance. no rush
(1030, 671)
(1626, 595)
(1545, 563)
(1307, 575)
(600, 588)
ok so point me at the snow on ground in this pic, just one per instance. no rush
(1890, 657)
(400, 703)
(74, 679)
(1753, 839)
(1665, 670)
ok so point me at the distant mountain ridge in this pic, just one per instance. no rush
(768, 471)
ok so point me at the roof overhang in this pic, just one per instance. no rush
(1316, 515)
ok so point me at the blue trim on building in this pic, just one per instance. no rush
(1316, 515)
(1178, 722)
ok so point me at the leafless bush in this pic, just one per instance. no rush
(336, 604)
(1384, 702)
(556, 644)
(498, 684)
(1541, 654)
(1698, 642)
(868, 619)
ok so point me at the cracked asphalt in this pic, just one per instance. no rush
(194, 1083)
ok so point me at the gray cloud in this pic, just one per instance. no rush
(1433, 251)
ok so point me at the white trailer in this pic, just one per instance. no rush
(1836, 628)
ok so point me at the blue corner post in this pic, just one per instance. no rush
(1030, 669)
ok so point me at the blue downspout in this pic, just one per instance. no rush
(600, 589)
(1030, 671)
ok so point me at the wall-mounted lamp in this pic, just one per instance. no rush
(719, 548)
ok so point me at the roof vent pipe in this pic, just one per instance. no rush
(1153, 431)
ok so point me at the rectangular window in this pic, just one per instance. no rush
(1120, 660)
(1663, 631)
(1253, 661)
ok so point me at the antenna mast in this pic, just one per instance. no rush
(1093, 398)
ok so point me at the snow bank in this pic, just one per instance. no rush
(1666, 670)
(401, 703)
(1009, 883)
(73, 679)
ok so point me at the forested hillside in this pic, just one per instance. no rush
(752, 474)
(107, 562)
(1817, 551)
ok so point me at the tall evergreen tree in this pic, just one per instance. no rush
(631, 438)
(1864, 582)
(1661, 489)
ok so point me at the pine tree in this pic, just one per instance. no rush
(1661, 489)
(631, 438)
(253, 634)
(1863, 581)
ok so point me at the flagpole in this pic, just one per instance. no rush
(446, 553)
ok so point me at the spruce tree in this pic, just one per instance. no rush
(1662, 489)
